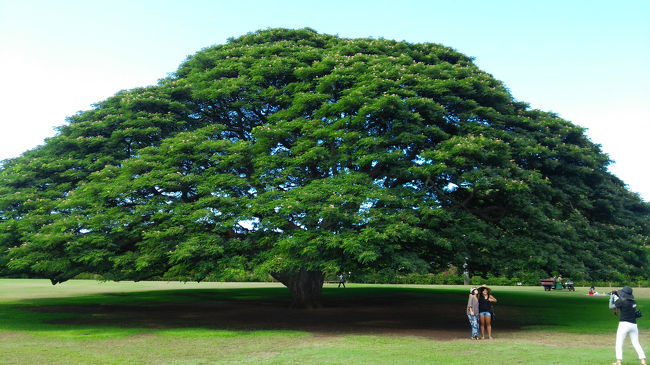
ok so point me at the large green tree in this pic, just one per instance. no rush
(298, 154)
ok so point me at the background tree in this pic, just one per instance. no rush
(298, 154)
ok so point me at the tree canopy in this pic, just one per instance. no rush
(296, 154)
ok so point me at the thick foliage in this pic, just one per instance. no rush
(287, 150)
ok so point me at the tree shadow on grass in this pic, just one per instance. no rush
(346, 311)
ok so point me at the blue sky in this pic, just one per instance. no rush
(588, 61)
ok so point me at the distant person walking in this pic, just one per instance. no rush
(485, 300)
(341, 280)
(623, 301)
(472, 312)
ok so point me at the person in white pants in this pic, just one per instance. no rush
(623, 301)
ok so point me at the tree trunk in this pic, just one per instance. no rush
(305, 286)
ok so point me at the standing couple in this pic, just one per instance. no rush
(479, 311)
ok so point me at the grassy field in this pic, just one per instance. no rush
(89, 322)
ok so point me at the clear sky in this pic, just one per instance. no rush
(587, 60)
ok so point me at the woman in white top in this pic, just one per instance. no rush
(472, 312)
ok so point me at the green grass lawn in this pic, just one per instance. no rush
(89, 322)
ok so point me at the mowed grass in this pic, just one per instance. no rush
(89, 322)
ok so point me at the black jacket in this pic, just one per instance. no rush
(627, 308)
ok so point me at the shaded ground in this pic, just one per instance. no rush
(399, 315)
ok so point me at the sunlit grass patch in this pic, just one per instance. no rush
(144, 323)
